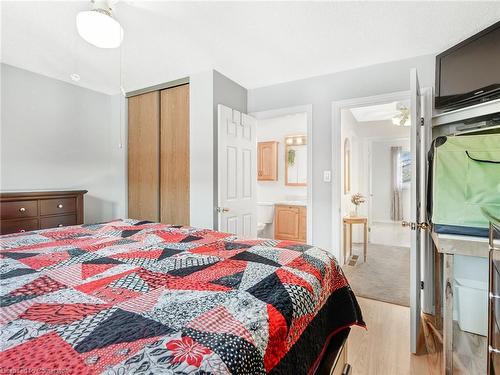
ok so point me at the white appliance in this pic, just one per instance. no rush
(265, 217)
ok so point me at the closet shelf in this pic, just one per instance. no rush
(462, 114)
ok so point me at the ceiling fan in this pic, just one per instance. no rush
(97, 25)
(403, 117)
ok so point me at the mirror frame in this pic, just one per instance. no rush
(304, 143)
(347, 166)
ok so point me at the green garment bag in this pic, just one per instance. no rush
(465, 178)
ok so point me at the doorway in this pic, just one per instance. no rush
(376, 163)
(284, 184)
(421, 253)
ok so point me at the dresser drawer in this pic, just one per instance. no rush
(57, 221)
(57, 206)
(18, 226)
(18, 209)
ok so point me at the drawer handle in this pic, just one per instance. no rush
(22, 209)
(22, 230)
(60, 205)
(494, 296)
(59, 225)
(491, 349)
(347, 369)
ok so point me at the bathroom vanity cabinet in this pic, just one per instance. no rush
(290, 222)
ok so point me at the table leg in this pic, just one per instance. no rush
(448, 315)
(350, 240)
(365, 239)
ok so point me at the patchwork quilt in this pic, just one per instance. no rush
(130, 297)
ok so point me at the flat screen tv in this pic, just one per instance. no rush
(469, 73)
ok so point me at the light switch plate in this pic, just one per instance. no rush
(327, 176)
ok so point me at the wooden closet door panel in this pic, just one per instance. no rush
(143, 156)
(174, 156)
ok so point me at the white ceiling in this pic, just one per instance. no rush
(378, 112)
(254, 43)
(375, 129)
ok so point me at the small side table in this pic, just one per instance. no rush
(349, 221)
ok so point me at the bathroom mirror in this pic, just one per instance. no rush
(296, 160)
(347, 166)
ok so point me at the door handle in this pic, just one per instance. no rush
(405, 224)
(222, 209)
(491, 349)
(424, 226)
(414, 226)
(494, 296)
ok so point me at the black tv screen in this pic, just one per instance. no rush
(469, 72)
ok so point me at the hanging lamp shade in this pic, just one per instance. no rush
(99, 28)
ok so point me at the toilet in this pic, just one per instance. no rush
(265, 216)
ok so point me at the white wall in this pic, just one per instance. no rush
(234, 96)
(207, 90)
(201, 141)
(359, 170)
(382, 180)
(55, 136)
(321, 91)
(349, 131)
(276, 129)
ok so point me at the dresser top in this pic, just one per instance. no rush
(39, 193)
(461, 245)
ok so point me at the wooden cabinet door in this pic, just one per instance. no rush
(286, 226)
(143, 156)
(267, 166)
(174, 156)
(302, 224)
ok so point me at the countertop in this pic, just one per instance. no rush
(291, 203)
(461, 245)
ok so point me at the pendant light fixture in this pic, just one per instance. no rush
(98, 27)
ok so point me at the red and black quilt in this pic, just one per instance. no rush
(130, 297)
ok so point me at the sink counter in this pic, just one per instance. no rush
(292, 203)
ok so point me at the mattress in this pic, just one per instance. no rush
(132, 297)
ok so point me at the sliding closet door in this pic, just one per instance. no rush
(174, 156)
(143, 156)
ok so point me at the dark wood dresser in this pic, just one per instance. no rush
(26, 211)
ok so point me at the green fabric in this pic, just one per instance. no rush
(462, 186)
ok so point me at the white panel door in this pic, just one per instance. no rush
(237, 172)
(417, 214)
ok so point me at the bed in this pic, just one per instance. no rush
(137, 297)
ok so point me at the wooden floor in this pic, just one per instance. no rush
(384, 348)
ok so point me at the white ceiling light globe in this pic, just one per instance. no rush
(99, 29)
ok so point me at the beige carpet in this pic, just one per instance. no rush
(385, 276)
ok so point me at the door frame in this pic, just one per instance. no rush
(337, 108)
(427, 264)
(279, 112)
